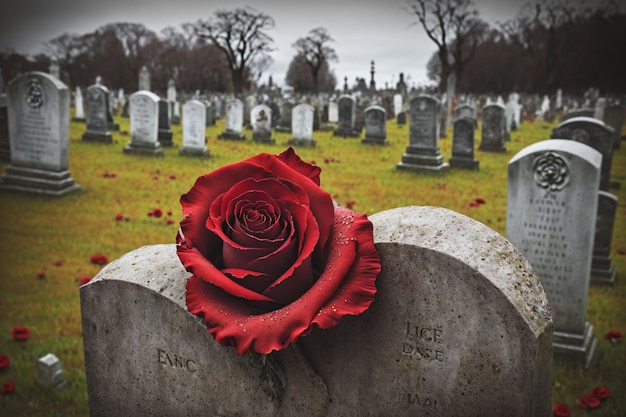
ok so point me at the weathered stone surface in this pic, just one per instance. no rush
(493, 131)
(463, 144)
(194, 125)
(375, 126)
(602, 268)
(234, 121)
(460, 326)
(346, 111)
(302, 117)
(144, 124)
(146, 355)
(96, 104)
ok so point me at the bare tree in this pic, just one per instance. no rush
(63, 47)
(315, 52)
(451, 25)
(241, 36)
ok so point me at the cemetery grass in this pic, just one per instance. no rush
(56, 237)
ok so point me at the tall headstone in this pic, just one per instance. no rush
(598, 111)
(39, 118)
(448, 334)
(194, 125)
(284, 124)
(234, 121)
(261, 120)
(614, 116)
(145, 82)
(602, 268)
(493, 135)
(79, 106)
(96, 101)
(592, 132)
(302, 125)
(375, 126)
(397, 104)
(164, 133)
(333, 112)
(347, 113)
(551, 216)
(463, 144)
(54, 69)
(5, 143)
(144, 124)
(423, 153)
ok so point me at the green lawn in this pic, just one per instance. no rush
(57, 237)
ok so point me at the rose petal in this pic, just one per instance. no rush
(601, 393)
(290, 158)
(561, 410)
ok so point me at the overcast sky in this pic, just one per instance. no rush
(363, 30)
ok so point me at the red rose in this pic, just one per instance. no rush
(20, 333)
(4, 361)
(601, 393)
(41, 275)
(119, 217)
(480, 200)
(8, 388)
(157, 213)
(588, 401)
(561, 410)
(84, 280)
(271, 255)
(613, 336)
(98, 258)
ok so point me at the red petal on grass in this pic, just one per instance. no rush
(157, 213)
(621, 251)
(4, 361)
(601, 393)
(41, 275)
(588, 401)
(98, 258)
(561, 410)
(84, 280)
(119, 217)
(474, 204)
(57, 263)
(20, 333)
(480, 200)
(8, 388)
(172, 177)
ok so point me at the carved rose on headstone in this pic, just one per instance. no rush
(551, 171)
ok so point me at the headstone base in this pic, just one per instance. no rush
(38, 181)
(165, 138)
(195, 152)
(114, 127)
(603, 271)
(303, 142)
(262, 138)
(283, 129)
(579, 347)
(422, 163)
(175, 120)
(492, 148)
(103, 137)
(346, 133)
(375, 141)
(464, 163)
(229, 135)
(79, 119)
(143, 148)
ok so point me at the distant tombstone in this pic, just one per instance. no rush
(194, 125)
(164, 133)
(492, 135)
(234, 121)
(333, 112)
(463, 144)
(171, 91)
(302, 125)
(614, 117)
(602, 268)
(96, 101)
(249, 103)
(592, 132)
(49, 372)
(598, 111)
(576, 113)
(79, 106)
(144, 124)
(397, 104)
(219, 107)
(464, 110)
(54, 69)
(449, 333)
(401, 118)
(5, 143)
(347, 113)
(284, 125)
(175, 113)
(39, 118)
(423, 153)
(125, 109)
(275, 113)
(144, 79)
(261, 120)
(551, 216)
(210, 114)
(375, 126)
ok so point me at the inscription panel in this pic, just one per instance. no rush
(194, 124)
(144, 116)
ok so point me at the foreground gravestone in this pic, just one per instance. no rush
(463, 144)
(144, 124)
(449, 333)
(423, 153)
(375, 126)
(493, 132)
(302, 125)
(460, 326)
(551, 216)
(38, 113)
(234, 121)
(602, 268)
(594, 133)
(96, 104)
(194, 125)
(155, 358)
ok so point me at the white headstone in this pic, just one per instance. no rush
(144, 124)
(234, 120)
(80, 109)
(302, 124)
(194, 125)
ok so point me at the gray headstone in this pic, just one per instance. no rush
(592, 132)
(602, 268)
(346, 111)
(164, 133)
(464, 110)
(194, 125)
(97, 115)
(39, 118)
(145, 354)
(493, 135)
(576, 113)
(284, 124)
(463, 144)
(144, 124)
(460, 326)
(49, 372)
(551, 216)
(5, 144)
(423, 153)
(144, 79)
(375, 126)
(261, 120)
(234, 121)
(302, 125)
(614, 117)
